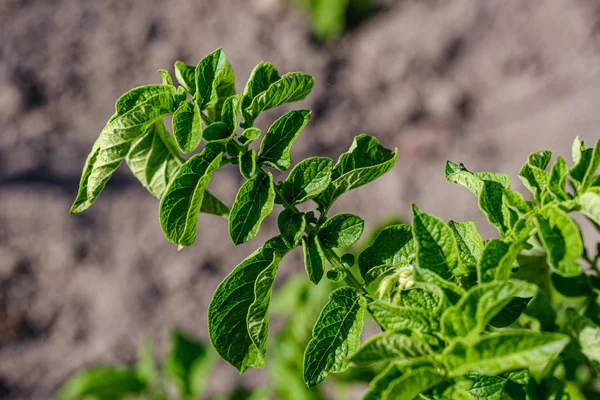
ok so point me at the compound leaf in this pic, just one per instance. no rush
(307, 180)
(277, 143)
(183, 199)
(253, 202)
(341, 231)
(336, 335)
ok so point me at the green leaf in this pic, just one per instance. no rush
(341, 231)
(511, 312)
(389, 346)
(366, 161)
(314, 258)
(166, 77)
(138, 96)
(401, 381)
(502, 352)
(249, 135)
(253, 202)
(102, 383)
(393, 318)
(586, 161)
(488, 187)
(154, 159)
(189, 364)
(558, 179)
(453, 291)
(534, 175)
(486, 387)
(498, 260)
(187, 128)
(307, 180)
(590, 204)
(215, 81)
(114, 144)
(561, 238)
(336, 335)
(186, 76)
(436, 246)
(291, 87)
(247, 163)
(425, 296)
(217, 132)
(237, 314)
(336, 275)
(291, 226)
(183, 199)
(277, 143)
(213, 205)
(262, 76)
(392, 247)
(587, 334)
(469, 241)
(480, 304)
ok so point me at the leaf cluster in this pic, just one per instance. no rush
(461, 317)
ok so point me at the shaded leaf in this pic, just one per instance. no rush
(102, 383)
(392, 247)
(590, 204)
(314, 258)
(480, 304)
(391, 317)
(436, 246)
(401, 381)
(291, 226)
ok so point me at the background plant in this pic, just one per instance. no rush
(460, 316)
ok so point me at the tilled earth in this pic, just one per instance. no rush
(479, 82)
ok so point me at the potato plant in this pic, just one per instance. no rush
(513, 317)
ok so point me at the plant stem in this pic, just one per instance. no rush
(352, 280)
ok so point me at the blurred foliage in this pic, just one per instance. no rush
(329, 19)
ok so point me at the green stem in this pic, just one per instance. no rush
(352, 280)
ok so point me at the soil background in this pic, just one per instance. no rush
(479, 82)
